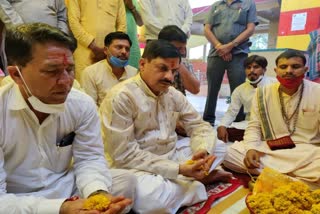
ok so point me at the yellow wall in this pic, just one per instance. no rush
(289, 5)
(299, 42)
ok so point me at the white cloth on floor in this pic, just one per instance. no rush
(156, 194)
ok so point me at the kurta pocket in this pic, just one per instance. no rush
(216, 18)
(242, 17)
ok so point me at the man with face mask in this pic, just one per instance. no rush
(255, 68)
(50, 142)
(283, 132)
(98, 78)
(140, 115)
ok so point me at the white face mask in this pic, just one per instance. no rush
(252, 82)
(38, 104)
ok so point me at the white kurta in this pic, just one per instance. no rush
(158, 13)
(139, 134)
(35, 176)
(242, 96)
(302, 161)
(98, 78)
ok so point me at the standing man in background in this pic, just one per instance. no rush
(14, 12)
(229, 25)
(51, 12)
(133, 19)
(90, 21)
(158, 13)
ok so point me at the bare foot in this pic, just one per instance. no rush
(216, 176)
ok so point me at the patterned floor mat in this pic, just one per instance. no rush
(214, 191)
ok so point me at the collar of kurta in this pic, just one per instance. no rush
(109, 69)
(260, 84)
(146, 88)
(16, 100)
(234, 1)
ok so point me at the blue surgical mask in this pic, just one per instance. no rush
(118, 62)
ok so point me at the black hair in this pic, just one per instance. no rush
(160, 48)
(260, 60)
(172, 33)
(291, 53)
(116, 35)
(21, 39)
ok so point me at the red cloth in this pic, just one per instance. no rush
(215, 191)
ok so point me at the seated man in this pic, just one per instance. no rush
(101, 76)
(45, 126)
(140, 117)
(283, 132)
(184, 79)
(255, 67)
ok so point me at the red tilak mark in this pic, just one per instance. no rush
(65, 59)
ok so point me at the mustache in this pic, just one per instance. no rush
(252, 74)
(166, 81)
(288, 75)
(123, 57)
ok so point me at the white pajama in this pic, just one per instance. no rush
(156, 194)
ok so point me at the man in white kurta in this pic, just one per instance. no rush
(158, 13)
(50, 142)
(267, 122)
(242, 96)
(255, 68)
(98, 78)
(138, 124)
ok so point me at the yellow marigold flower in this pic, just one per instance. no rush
(190, 162)
(316, 195)
(260, 202)
(299, 187)
(97, 202)
(315, 209)
(292, 198)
